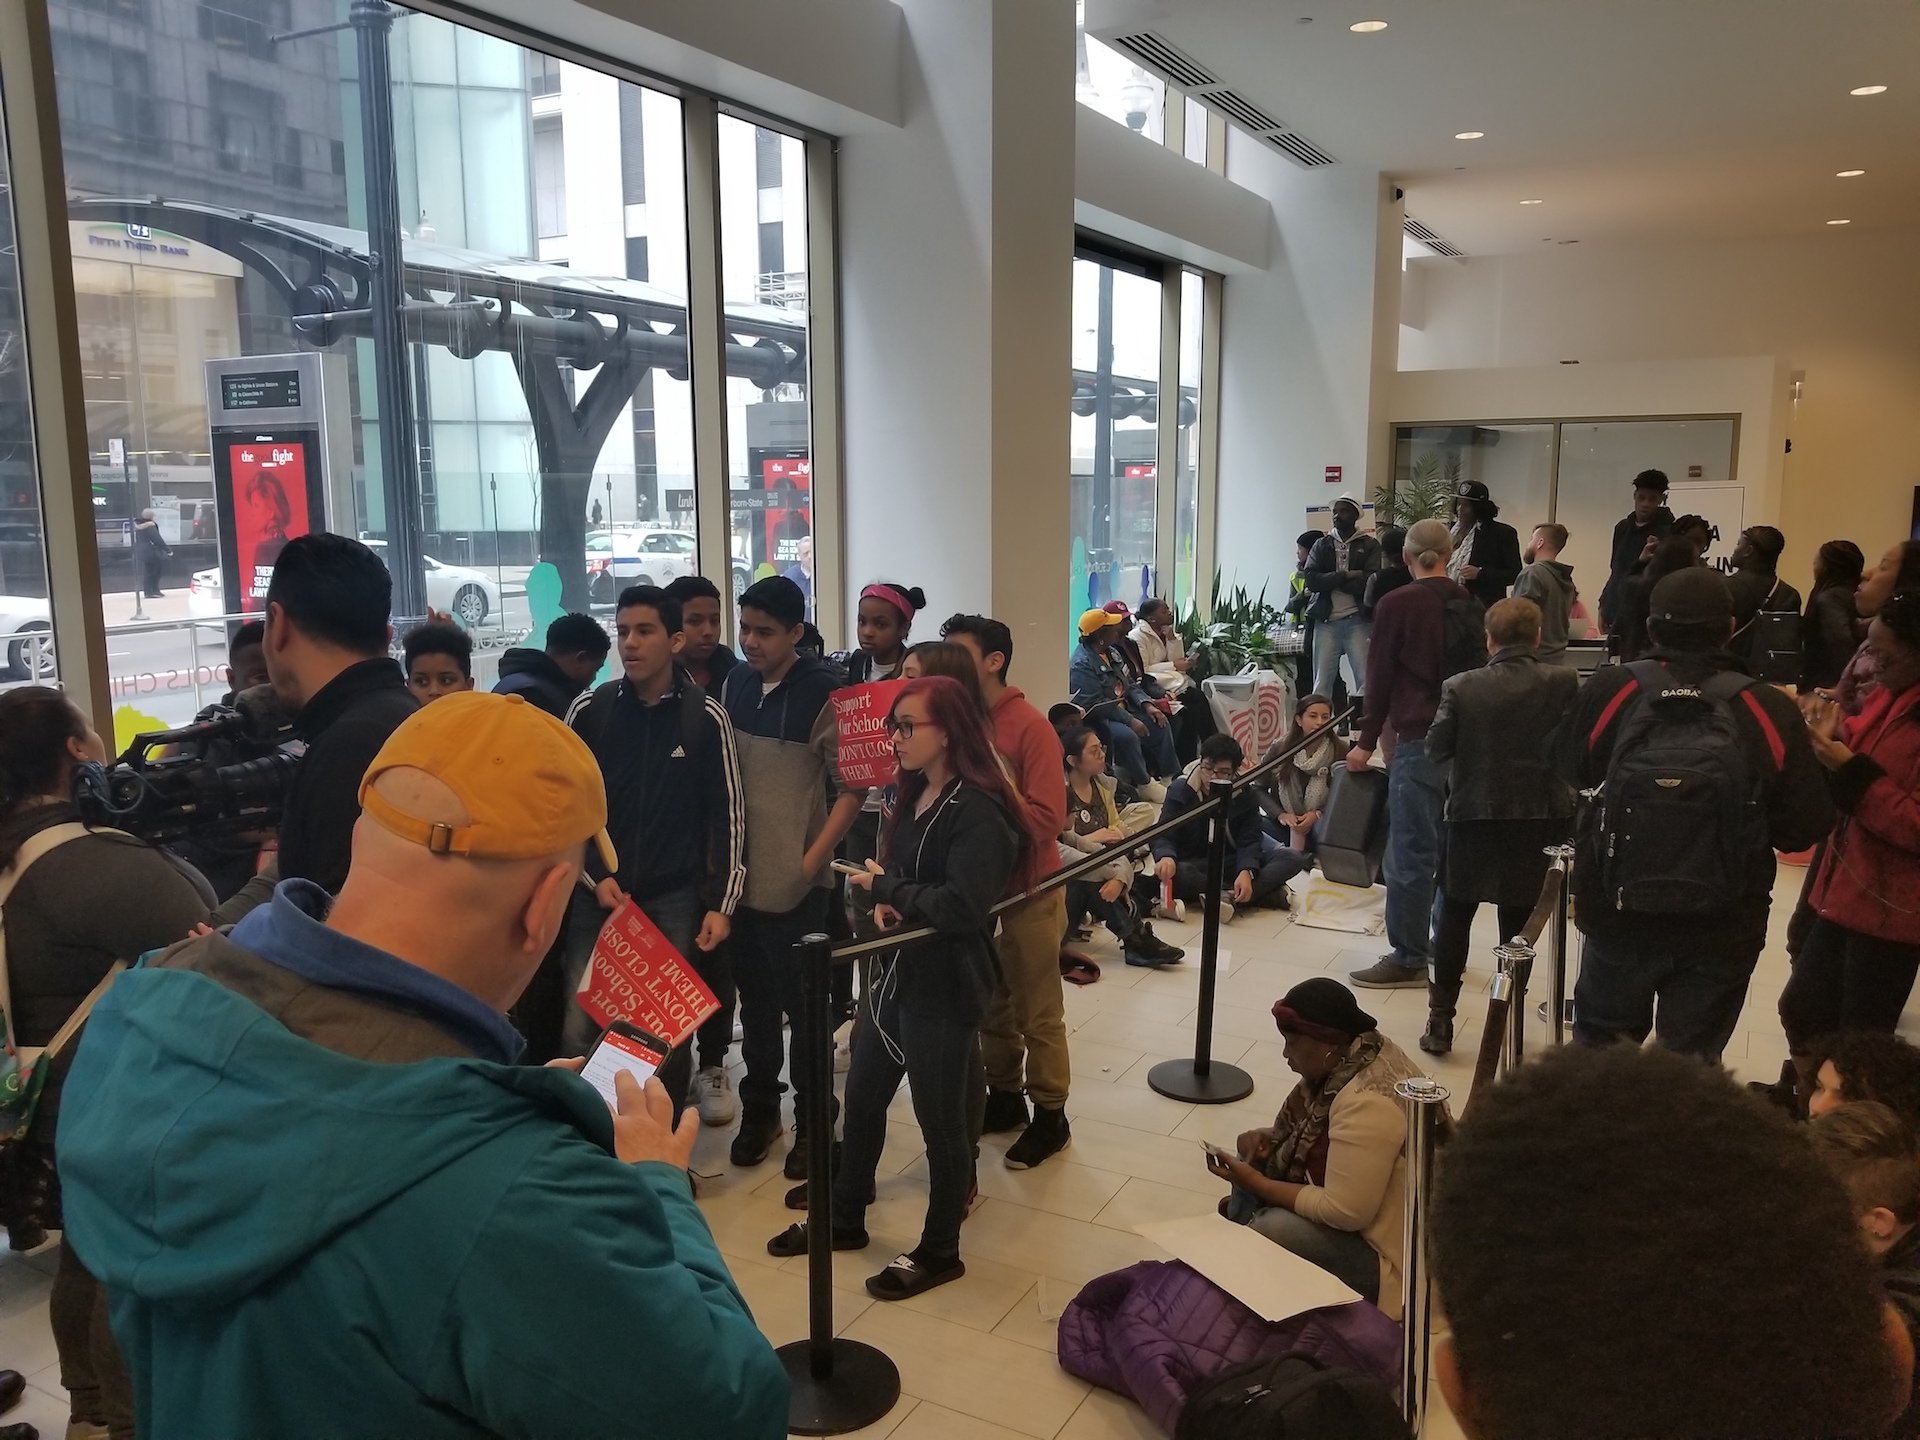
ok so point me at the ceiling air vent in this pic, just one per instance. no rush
(1156, 54)
(1432, 241)
(1300, 149)
(1242, 112)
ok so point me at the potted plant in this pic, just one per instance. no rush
(1426, 494)
(1235, 635)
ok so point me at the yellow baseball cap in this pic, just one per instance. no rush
(528, 784)
(1092, 620)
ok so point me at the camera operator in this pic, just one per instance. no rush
(77, 902)
(326, 649)
(229, 861)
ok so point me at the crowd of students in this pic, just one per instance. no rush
(708, 783)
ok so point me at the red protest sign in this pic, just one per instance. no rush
(866, 750)
(636, 976)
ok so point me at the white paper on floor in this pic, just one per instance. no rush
(1274, 1283)
(1323, 905)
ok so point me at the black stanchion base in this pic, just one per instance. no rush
(864, 1386)
(1221, 1085)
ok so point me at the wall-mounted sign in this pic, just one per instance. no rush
(260, 390)
(1333, 474)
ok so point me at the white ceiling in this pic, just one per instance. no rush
(1633, 120)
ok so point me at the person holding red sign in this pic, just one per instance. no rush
(952, 841)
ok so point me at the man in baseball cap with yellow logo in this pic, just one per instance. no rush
(321, 1197)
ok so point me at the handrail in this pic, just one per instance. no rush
(1099, 859)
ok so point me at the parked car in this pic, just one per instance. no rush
(619, 558)
(470, 596)
(22, 619)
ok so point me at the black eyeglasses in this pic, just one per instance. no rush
(897, 725)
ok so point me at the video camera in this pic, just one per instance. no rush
(224, 774)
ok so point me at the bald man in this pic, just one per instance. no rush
(325, 1201)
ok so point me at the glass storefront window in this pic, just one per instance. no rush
(1598, 460)
(26, 622)
(1107, 81)
(1186, 480)
(1114, 433)
(763, 272)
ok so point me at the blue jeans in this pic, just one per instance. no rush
(1416, 797)
(1343, 1254)
(1157, 746)
(678, 914)
(1334, 638)
(1128, 761)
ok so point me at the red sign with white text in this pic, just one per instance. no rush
(1334, 473)
(269, 509)
(636, 976)
(866, 750)
(1142, 472)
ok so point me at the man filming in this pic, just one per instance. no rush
(326, 651)
(324, 1199)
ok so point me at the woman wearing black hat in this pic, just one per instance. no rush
(1328, 1181)
(1486, 554)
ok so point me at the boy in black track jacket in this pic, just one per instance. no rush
(674, 802)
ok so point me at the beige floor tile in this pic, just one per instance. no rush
(779, 1303)
(1043, 1244)
(1101, 1062)
(1062, 1186)
(1106, 1416)
(888, 1424)
(936, 1422)
(1035, 1319)
(1144, 1202)
(984, 1376)
(1132, 1106)
(1151, 1036)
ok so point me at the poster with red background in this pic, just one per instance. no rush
(860, 719)
(636, 976)
(269, 509)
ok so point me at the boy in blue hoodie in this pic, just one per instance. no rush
(323, 1199)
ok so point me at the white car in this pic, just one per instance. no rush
(619, 558)
(26, 638)
(470, 596)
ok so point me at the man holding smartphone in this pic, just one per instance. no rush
(666, 752)
(324, 1199)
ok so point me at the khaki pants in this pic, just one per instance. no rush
(1027, 1019)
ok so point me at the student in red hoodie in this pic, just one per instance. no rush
(1027, 1021)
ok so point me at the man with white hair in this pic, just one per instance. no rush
(1422, 633)
(324, 1200)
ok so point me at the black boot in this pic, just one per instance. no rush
(756, 1137)
(1439, 1037)
(1143, 947)
(1049, 1134)
(1006, 1110)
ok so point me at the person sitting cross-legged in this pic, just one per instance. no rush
(1255, 875)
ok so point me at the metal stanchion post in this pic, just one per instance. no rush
(1424, 1099)
(838, 1384)
(1515, 959)
(1562, 857)
(1199, 1081)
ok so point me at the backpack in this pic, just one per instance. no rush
(1291, 1397)
(1674, 827)
(1464, 636)
(1770, 643)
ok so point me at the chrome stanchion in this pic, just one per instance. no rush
(838, 1384)
(1562, 857)
(1515, 959)
(1424, 1100)
(1200, 1081)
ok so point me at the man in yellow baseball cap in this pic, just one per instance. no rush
(314, 1125)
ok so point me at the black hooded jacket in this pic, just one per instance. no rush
(537, 676)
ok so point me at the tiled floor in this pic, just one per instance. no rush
(977, 1357)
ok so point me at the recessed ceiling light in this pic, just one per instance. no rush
(1533, 202)
(1847, 174)
(1839, 222)
(1373, 27)
(1471, 135)
(1868, 90)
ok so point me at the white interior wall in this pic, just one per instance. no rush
(1839, 308)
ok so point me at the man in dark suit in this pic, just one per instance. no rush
(1486, 554)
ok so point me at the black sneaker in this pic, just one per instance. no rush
(1049, 1134)
(793, 1240)
(756, 1137)
(1143, 947)
(796, 1166)
(1389, 974)
(1006, 1110)
(1439, 1037)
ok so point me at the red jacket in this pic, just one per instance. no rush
(1869, 880)
(1027, 743)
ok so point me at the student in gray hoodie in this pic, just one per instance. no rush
(1549, 584)
(789, 752)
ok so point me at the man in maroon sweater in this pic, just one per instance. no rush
(1405, 668)
(1028, 1020)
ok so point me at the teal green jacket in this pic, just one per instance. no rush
(296, 1243)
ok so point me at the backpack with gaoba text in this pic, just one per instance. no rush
(1291, 1397)
(1674, 827)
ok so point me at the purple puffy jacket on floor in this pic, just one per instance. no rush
(1158, 1331)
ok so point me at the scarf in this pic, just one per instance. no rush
(1462, 549)
(1374, 1063)
(1313, 763)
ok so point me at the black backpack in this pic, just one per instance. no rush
(1291, 1397)
(1770, 643)
(1464, 631)
(1674, 827)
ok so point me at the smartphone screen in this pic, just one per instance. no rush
(623, 1048)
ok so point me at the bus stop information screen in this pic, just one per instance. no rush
(261, 390)
(269, 509)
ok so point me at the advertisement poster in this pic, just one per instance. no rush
(860, 718)
(269, 509)
(636, 976)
